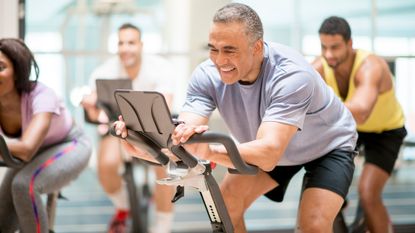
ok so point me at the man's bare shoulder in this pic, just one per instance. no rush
(372, 65)
(375, 70)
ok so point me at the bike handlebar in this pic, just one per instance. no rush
(143, 142)
(8, 159)
(211, 137)
(106, 109)
(140, 140)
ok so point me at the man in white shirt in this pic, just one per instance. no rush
(147, 72)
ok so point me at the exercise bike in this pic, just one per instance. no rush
(150, 125)
(139, 197)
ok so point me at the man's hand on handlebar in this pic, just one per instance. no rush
(94, 114)
(121, 130)
(120, 127)
(183, 132)
(181, 135)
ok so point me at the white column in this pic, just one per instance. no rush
(201, 15)
(185, 37)
(373, 24)
(296, 30)
(9, 20)
(176, 44)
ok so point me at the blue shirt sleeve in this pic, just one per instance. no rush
(199, 96)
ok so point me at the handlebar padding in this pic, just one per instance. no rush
(211, 137)
(8, 159)
(144, 143)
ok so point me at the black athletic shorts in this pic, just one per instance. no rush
(382, 149)
(333, 171)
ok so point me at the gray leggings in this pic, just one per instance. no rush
(51, 169)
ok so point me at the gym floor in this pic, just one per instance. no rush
(88, 210)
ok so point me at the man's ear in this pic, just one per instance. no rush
(350, 43)
(258, 46)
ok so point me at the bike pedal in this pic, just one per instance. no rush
(179, 193)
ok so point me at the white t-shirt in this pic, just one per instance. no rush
(155, 75)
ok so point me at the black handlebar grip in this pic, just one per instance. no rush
(142, 142)
(113, 133)
(185, 156)
(8, 159)
(211, 137)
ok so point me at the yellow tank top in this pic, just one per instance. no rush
(387, 113)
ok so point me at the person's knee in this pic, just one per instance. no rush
(234, 202)
(228, 189)
(109, 152)
(314, 224)
(20, 185)
(368, 194)
(109, 160)
(368, 198)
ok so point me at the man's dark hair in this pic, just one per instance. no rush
(22, 60)
(336, 25)
(130, 26)
(237, 12)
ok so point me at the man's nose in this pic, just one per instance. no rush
(123, 48)
(328, 54)
(221, 59)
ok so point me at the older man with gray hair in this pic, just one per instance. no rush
(281, 112)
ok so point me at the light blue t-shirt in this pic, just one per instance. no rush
(288, 90)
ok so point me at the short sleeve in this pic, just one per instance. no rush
(199, 96)
(290, 99)
(44, 99)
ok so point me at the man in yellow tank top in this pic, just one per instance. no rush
(365, 84)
